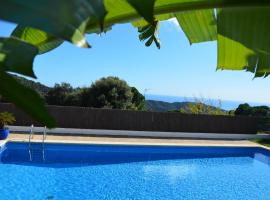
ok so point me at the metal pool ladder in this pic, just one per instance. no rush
(31, 135)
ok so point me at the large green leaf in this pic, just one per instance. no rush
(142, 22)
(198, 25)
(144, 8)
(120, 11)
(243, 41)
(42, 40)
(17, 56)
(63, 19)
(24, 98)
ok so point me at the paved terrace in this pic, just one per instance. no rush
(129, 140)
(92, 136)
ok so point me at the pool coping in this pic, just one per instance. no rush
(137, 142)
(147, 134)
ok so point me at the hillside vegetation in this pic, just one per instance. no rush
(64, 94)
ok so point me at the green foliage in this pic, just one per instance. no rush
(144, 8)
(265, 142)
(261, 112)
(150, 33)
(17, 56)
(199, 106)
(241, 41)
(161, 106)
(231, 112)
(109, 92)
(64, 22)
(24, 98)
(41, 89)
(6, 118)
(42, 40)
(256, 111)
(198, 25)
(203, 106)
(138, 99)
(59, 94)
(65, 95)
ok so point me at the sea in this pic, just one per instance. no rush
(225, 104)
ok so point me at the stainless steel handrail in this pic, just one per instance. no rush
(43, 140)
(44, 134)
(31, 135)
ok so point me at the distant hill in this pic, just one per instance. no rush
(162, 106)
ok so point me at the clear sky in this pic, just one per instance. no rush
(177, 69)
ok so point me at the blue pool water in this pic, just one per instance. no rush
(133, 172)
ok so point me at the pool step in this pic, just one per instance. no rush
(37, 155)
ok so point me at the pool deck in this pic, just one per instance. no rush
(132, 133)
(131, 141)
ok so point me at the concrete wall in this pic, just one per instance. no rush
(90, 118)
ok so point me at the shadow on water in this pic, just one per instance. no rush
(67, 156)
(58, 160)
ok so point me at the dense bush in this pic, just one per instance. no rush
(109, 92)
(262, 112)
(258, 111)
(59, 94)
(6, 118)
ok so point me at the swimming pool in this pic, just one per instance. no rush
(67, 171)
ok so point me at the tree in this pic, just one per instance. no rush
(243, 109)
(241, 29)
(138, 99)
(59, 94)
(260, 111)
(110, 92)
(256, 111)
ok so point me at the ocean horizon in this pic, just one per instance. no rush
(225, 104)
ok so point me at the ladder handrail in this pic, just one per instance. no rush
(29, 141)
(31, 136)
(44, 134)
(43, 139)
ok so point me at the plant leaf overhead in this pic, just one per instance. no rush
(17, 56)
(199, 25)
(242, 41)
(150, 33)
(63, 19)
(120, 11)
(142, 22)
(144, 8)
(42, 40)
(25, 99)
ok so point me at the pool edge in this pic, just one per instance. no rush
(192, 143)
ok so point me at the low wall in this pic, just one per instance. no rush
(90, 118)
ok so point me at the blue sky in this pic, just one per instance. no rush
(177, 69)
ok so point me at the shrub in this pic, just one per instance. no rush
(6, 118)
